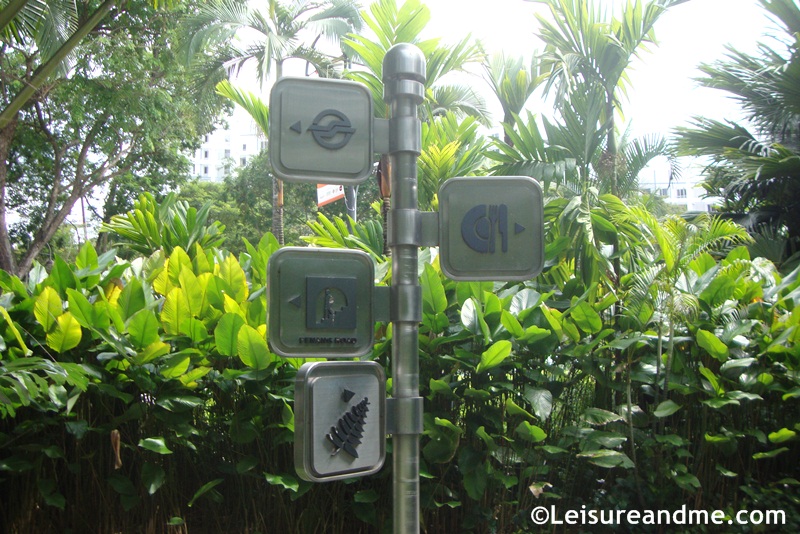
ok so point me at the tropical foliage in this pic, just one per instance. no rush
(653, 364)
(753, 165)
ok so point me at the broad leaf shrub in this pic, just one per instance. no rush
(141, 395)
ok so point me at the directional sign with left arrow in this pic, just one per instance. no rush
(320, 303)
(320, 130)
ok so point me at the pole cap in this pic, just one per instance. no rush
(404, 61)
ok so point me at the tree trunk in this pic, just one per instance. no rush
(7, 262)
(277, 209)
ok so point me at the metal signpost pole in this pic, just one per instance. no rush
(404, 90)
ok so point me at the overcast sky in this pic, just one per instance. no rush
(663, 94)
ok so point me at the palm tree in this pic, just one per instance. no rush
(755, 167)
(580, 156)
(513, 84)
(660, 288)
(236, 35)
(589, 57)
(392, 24)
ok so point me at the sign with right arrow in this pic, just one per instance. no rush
(491, 228)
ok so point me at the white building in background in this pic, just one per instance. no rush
(683, 192)
(228, 148)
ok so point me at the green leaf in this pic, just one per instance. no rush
(784, 434)
(770, 454)
(176, 365)
(143, 328)
(205, 488)
(448, 425)
(586, 318)
(541, 400)
(434, 299)
(151, 352)
(725, 472)
(366, 496)
(287, 482)
(712, 344)
(131, 300)
(494, 355)
(719, 402)
(609, 440)
(511, 324)
(87, 257)
(489, 440)
(530, 432)
(80, 308)
(607, 458)
(596, 416)
(50, 494)
(155, 444)
(719, 290)
(512, 408)
(666, 408)
(195, 329)
(226, 333)
(153, 477)
(66, 335)
(47, 308)
(712, 379)
(687, 482)
(252, 348)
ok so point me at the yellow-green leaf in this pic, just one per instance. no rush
(226, 334)
(494, 355)
(512, 408)
(252, 348)
(66, 335)
(712, 345)
(151, 352)
(47, 308)
(195, 294)
(232, 273)
(176, 365)
(178, 260)
(175, 311)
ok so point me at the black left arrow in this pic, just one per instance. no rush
(296, 127)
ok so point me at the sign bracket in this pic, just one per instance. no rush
(380, 136)
(409, 410)
(381, 299)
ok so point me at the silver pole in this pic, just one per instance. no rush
(404, 90)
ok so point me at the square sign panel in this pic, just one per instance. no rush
(340, 420)
(320, 303)
(491, 228)
(320, 130)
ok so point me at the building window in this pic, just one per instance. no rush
(244, 148)
(227, 152)
(205, 154)
(205, 170)
(681, 193)
(243, 161)
(663, 192)
(205, 139)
